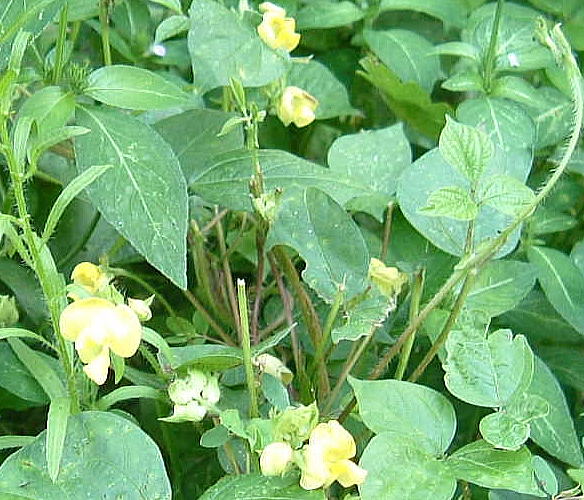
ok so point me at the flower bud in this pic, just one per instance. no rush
(190, 412)
(89, 276)
(388, 279)
(297, 106)
(294, 425)
(183, 390)
(142, 308)
(8, 311)
(273, 366)
(211, 392)
(275, 458)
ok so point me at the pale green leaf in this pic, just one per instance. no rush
(15, 441)
(56, 432)
(133, 88)
(453, 202)
(144, 196)
(507, 195)
(503, 432)
(128, 392)
(170, 27)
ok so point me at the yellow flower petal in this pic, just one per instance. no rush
(296, 106)
(275, 458)
(388, 279)
(98, 368)
(348, 473)
(90, 342)
(125, 331)
(272, 8)
(89, 276)
(336, 441)
(81, 313)
(276, 30)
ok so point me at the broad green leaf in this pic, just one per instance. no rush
(320, 82)
(481, 464)
(486, 370)
(170, 27)
(398, 408)
(327, 14)
(72, 190)
(453, 202)
(128, 392)
(250, 486)
(50, 108)
(56, 431)
(275, 392)
(555, 432)
(430, 173)
(450, 12)
(527, 407)
(144, 196)
(16, 379)
(224, 44)
(465, 81)
(398, 468)
(545, 221)
(364, 318)
(96, 463)
(379, 156)
(503, 432)
(206, 356)
(562, 282)
(517, 49)
(507, 195)
(42, 371)
(509, 127)
(170, 4)
(409, 55)
(410, 102)
(468, 149)
(193, 137)
(133, 88)
(16, 15)
(500, 286)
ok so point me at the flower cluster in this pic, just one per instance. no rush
(295, 105)
(193, 396)
(98, 321)
(325, 459)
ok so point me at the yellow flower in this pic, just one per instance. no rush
(326, 458)
(277, 30)
(97, 325)
(89, 276)
(273, 366)
(297, 106)
(275, 458)
(388, 279)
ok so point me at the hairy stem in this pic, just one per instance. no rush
(246, 347)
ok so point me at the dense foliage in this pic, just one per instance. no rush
(305, 249)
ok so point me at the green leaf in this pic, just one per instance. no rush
(378, 156)
(364, 317)
(501, 286)
(133, 88)
(561, 8)
(56, 432)
(481, 464)
(397, 408)
(320, 82)
(44, 373)
(153, 338)
(19, 15)
(321, 14)
(144, 196)
(419, 474)
(15, 441)
(453, 202)
(459, 49)
(562, 282)
(224, 44)
(486, 370)
(170, 4)
(409, 55)
(507, 195)
(450, 12)
(517, 49)
(430, 173)
(274, 392)
(16, 379)
(467, 149)
(71, 191)
(546, 221)
(6, 333)
(103, 455)
(193, 136)
(170, 27)
(410, 102)
(206, 356)
(215, 437)
(527, 407)
(504, 432)
(567, 364)
(128, 392)
(252, 486)
(555, 432)
(50, 108)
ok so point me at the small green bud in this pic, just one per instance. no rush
(294, 425)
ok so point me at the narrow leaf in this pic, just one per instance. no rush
(15, 441)
(129, 392)
(56, 431)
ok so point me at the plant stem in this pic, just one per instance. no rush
(104, 21)
(490, 61)
(450, 322)
(417, 289)
(387, 230)
(246, 347)
(60, 48)
(208, 318)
